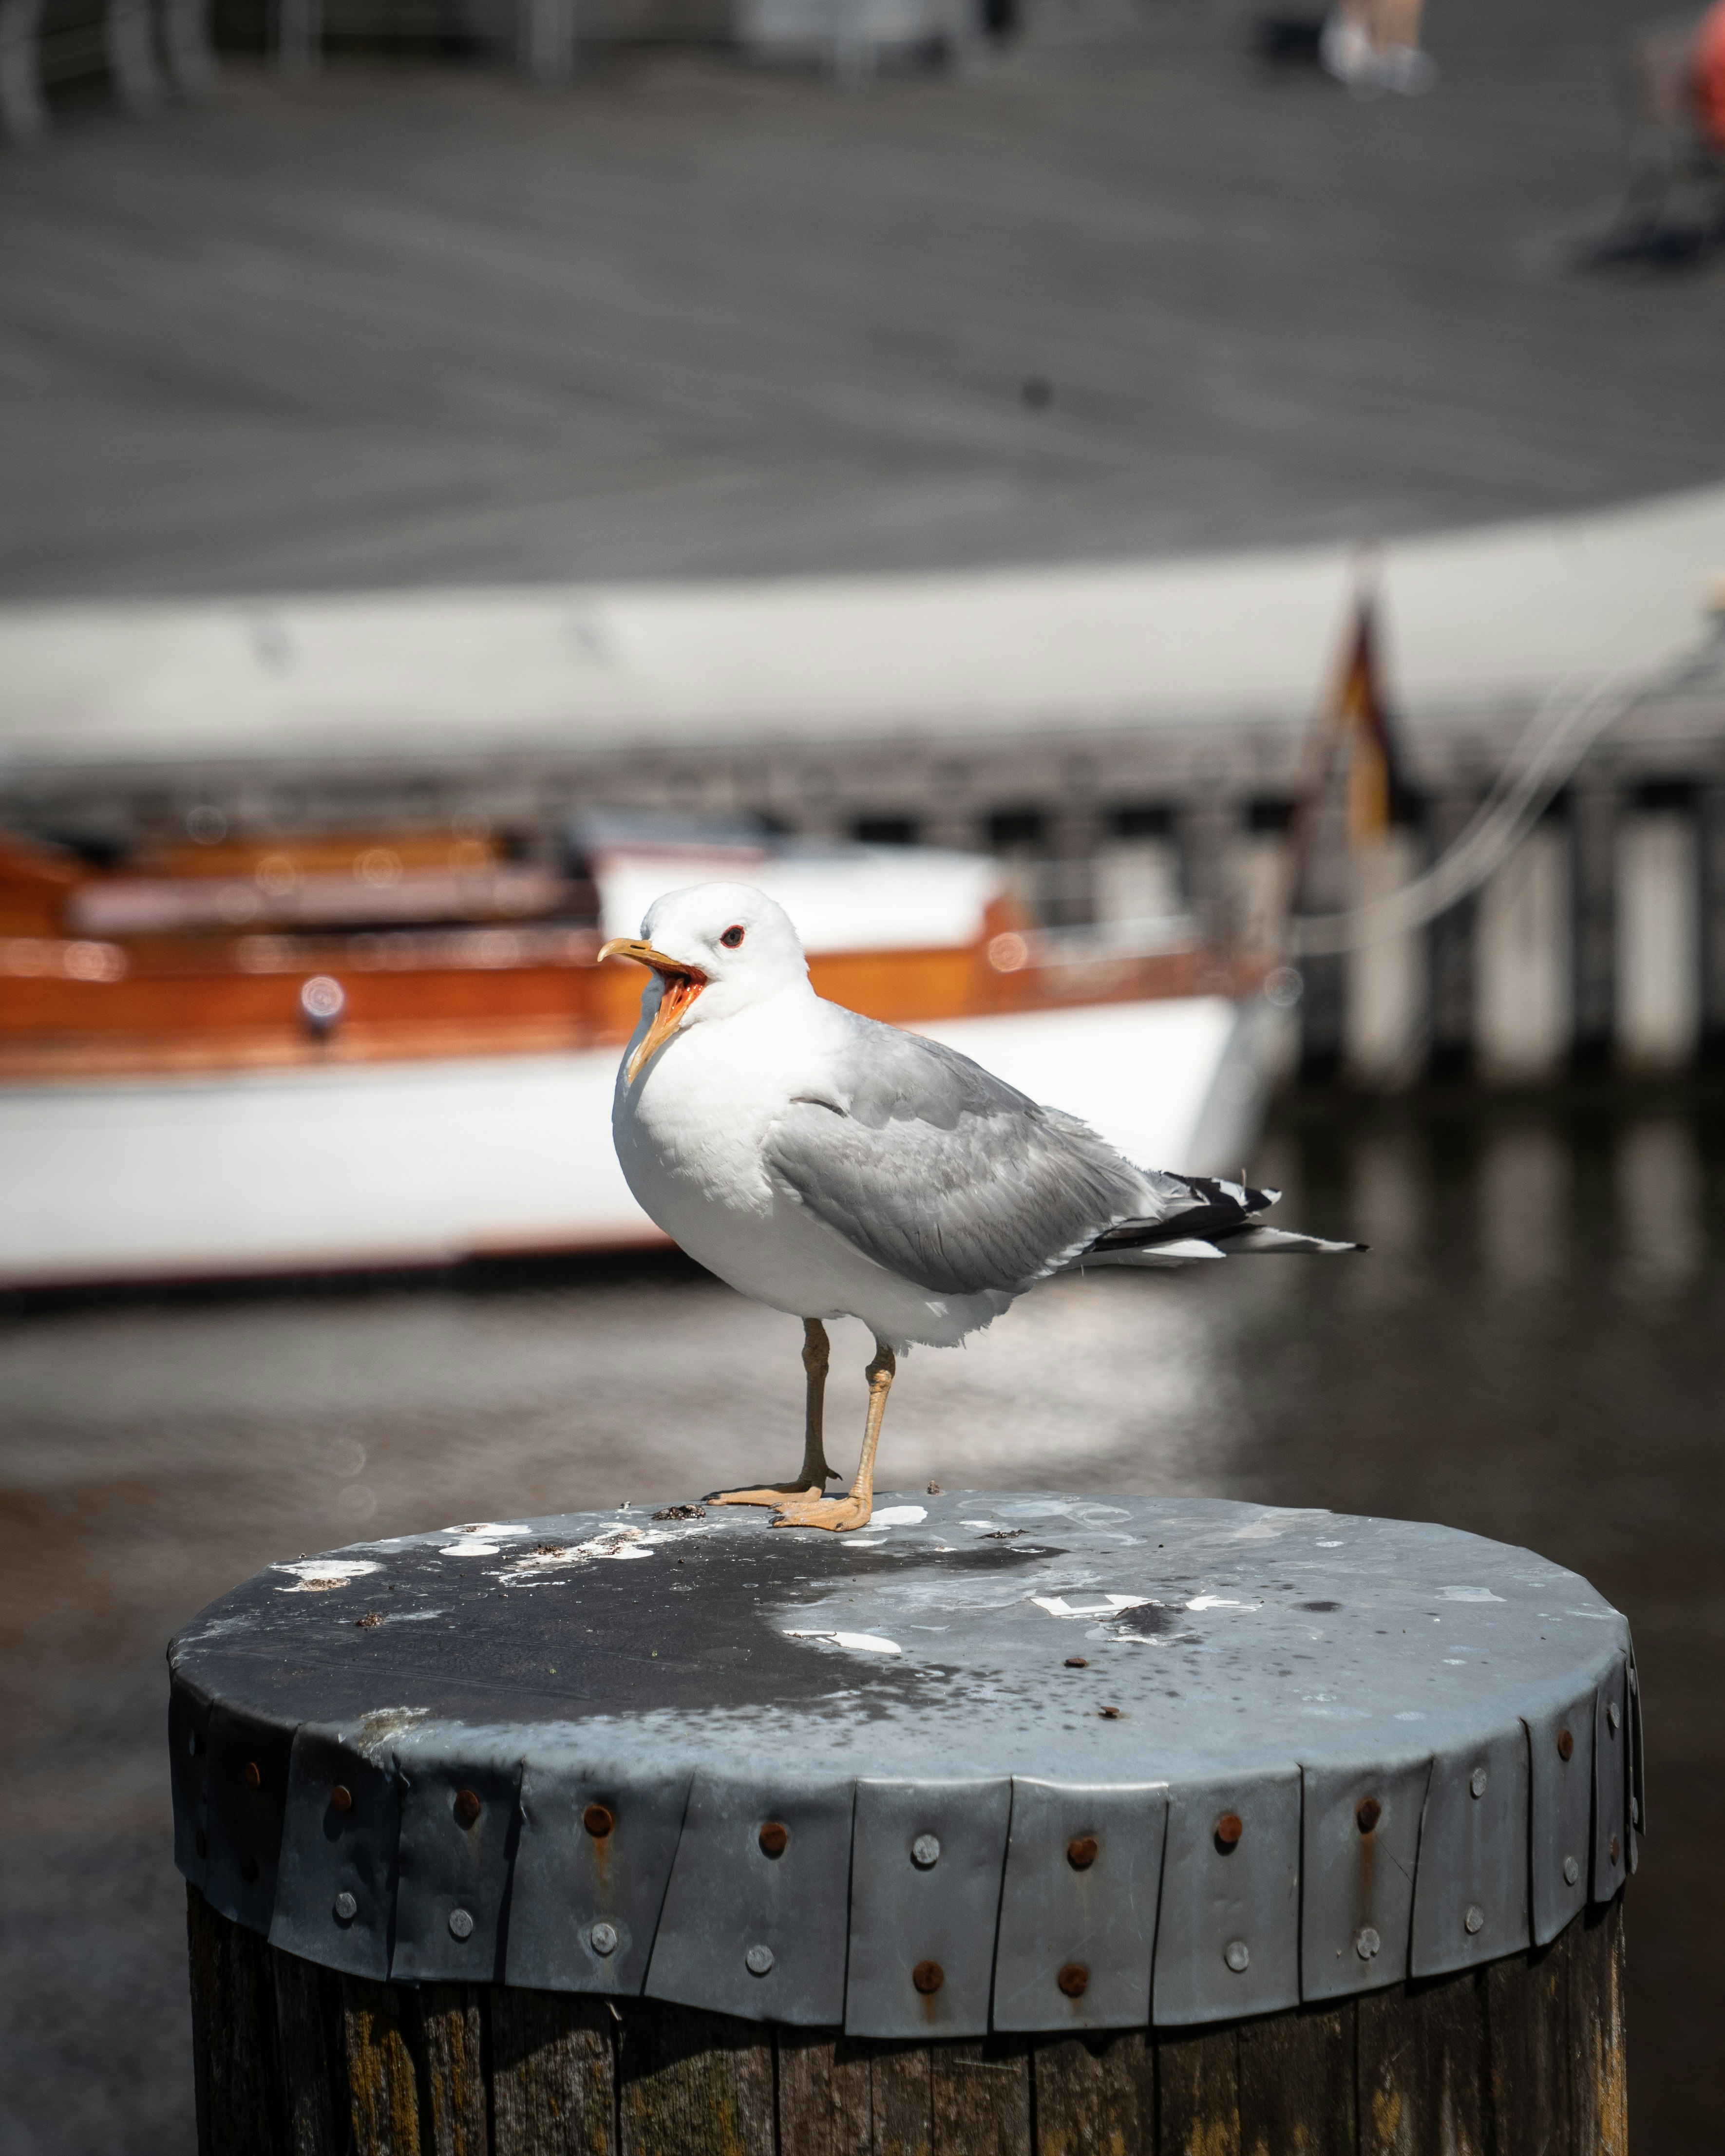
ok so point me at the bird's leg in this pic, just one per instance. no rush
(837, 1514)
(814, 1474)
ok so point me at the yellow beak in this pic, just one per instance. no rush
(682, 985)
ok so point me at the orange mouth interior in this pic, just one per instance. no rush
(680, 988)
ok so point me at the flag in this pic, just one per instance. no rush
(1349, 763)
(1361, 720)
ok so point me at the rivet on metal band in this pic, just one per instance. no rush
(758, 1960)
(1237, 1954)
(925, 1854)
(461, 1923)
(1475, 1920)
(602, 1939)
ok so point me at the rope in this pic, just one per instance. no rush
(1569, 719)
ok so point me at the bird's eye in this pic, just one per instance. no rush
(731, 938)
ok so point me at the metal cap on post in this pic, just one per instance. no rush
(1023, 1763)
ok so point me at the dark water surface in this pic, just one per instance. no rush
(1534, 1348)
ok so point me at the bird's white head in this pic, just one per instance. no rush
(714, 949)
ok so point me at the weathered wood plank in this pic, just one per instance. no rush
(377, 2032)
(309, 2067)
(1424, 2071)
(1527, 2014)
(1596, 2046)
(1198, 2094)
(553, 2074)
(901, 2100)
(1296, 2091)
(451, 2055)
(1095, 2095)
(823, 2100)
(207, 1951)
(980, 2097)
(233, 2034)
(1526, 2057)
(693, 2084)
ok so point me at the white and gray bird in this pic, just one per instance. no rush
(830, 1166)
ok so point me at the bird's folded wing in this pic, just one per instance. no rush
(941, 1174)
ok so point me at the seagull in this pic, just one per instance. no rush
(829, 1166)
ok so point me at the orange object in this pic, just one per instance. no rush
(1708, 76)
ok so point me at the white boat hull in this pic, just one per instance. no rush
(376, 1165)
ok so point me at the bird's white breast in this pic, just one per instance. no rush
(692, 1135)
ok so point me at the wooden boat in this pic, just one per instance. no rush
(384, 1048)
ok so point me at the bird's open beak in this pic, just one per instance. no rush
(682, 985)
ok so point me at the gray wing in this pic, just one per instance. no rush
(946, 1176)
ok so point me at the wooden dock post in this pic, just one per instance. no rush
(1018, 1828)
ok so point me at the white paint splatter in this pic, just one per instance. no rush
(899, 1516)
(373, 1734)
(1219, 1602)
(620, 1543)
(1467, 1595)
(861, 1643)
(316, 1575)
(1057, 1605)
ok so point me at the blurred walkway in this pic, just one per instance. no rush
(1110, 295)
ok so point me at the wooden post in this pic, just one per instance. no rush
(1450, 953)
(1526, 2053)
(1593, 854)
(434, 1930)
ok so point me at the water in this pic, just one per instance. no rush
(1534, 1348)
